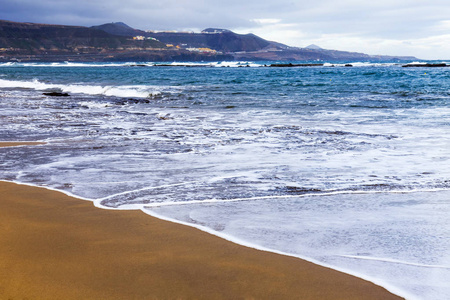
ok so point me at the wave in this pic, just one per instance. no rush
(217, 64)
(361, 64)
(125, 91)
(229, 64)
(240, 64)
(65, 64)
(101, 202)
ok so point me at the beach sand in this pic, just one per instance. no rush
(15, 144)
(53, 246)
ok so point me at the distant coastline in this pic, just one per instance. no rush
(30, 42)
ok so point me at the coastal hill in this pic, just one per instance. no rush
(42, 37)
(45, 42)
(222, 40)
(120, 42)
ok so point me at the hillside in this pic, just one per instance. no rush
(119, 28)
(120, 42)
(29, 38)
(222, 40)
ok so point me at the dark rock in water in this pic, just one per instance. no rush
(282, 65)
(348, 65)
(56, 94)
(425, 65)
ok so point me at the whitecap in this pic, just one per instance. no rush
(134, 91)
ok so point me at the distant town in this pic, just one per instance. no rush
(205, 50)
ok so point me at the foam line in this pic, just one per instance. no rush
(389, 260)
(284, 197)
(145, 189)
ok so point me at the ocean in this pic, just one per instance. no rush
(347, 167)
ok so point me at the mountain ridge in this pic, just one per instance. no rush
(223, 40)
(116, 41)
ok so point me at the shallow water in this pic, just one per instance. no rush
(344, 166)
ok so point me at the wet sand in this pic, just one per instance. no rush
(53, 246)
(15, 144)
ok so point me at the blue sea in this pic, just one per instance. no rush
(347, 167)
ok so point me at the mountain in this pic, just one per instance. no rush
(45, 42)
(313, 47)
(119, 28)
(222, 40)
(119, 42)
(244, 46)
(225, 41)
(31, 38)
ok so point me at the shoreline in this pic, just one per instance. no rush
(48, 257)
(299, 276)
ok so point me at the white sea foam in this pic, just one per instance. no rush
(129, 64)
(190, 64)
(237, 64)
(395, 261)
(230, 64)
(417, 63)
(360, 64)
(93, 105)
(66, 64)
(143, 189)
(7, 64)
(133, 91)
(250, 199)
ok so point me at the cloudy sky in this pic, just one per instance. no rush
(392, 27)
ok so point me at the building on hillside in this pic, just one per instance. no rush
(202, 50)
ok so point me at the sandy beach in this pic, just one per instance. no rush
(53, 246)
(16, 144)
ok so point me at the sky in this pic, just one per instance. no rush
(383, 27)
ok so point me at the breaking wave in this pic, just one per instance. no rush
(134, 91)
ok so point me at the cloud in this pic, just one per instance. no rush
(266, 21)
(409, 27)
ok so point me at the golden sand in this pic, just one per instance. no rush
(53, 246)
(15, 144)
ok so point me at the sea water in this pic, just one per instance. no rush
(348, 167)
